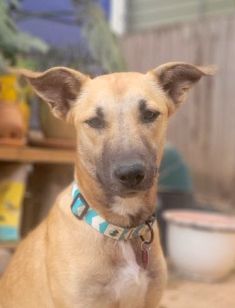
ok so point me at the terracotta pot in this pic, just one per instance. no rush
(11, 121)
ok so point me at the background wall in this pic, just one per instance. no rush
(204, 129)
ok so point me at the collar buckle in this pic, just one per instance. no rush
(82, 209)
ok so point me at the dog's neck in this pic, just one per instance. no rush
(124, 212)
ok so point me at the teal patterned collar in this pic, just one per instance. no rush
(82, 211)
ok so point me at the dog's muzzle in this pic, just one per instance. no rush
(127, 173)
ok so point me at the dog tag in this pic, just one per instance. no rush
(145, 249)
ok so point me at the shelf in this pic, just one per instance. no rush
(6, 244)
(36, 155)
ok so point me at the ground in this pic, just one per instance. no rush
(182, 293)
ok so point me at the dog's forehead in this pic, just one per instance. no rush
(119, 76)
(120, 84)
(121, 88)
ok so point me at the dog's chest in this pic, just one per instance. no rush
(130, 281)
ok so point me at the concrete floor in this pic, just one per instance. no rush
(183, 293)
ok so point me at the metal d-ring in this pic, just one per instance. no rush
(148, 242)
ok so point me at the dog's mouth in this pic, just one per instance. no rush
(131, 193)
(128, 194)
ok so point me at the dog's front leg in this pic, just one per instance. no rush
(157, 285)
(154, 294)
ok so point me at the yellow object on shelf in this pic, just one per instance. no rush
(12, 189)
(10, 201)
(9, 90)
(13, 93)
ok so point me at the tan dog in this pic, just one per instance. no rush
(121, 121)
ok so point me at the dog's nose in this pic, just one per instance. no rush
(130, 175)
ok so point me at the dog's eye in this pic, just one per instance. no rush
(149, 116)
(96, 122)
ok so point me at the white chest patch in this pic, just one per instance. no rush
(130, 283)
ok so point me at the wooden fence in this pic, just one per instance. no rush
(204, 129)
(142, 15)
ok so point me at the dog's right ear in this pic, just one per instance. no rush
(58, 86)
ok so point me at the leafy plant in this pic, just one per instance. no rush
(13, 41)
(102, 43)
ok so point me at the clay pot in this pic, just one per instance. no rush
(11, 121)
(53, 127)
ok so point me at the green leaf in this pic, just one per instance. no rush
(12, 40)
(102, 42)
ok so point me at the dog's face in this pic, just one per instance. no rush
(120, 119)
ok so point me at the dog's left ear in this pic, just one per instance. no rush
(58, 86)
(176, 78)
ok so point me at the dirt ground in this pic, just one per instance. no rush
(182, 293)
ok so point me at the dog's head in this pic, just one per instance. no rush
(120, 119)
